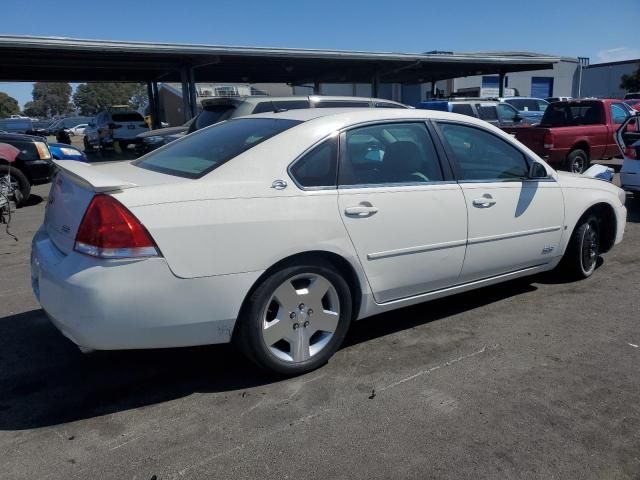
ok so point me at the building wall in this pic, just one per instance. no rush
(604, 80)
(564, 73)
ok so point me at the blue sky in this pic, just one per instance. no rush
(603, 31)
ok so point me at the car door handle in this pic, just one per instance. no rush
(361, 210)
(485, 202)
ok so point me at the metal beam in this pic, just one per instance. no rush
(501, 84)
(375, 84)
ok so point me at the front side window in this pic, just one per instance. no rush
(618, 113)
(481, 155)
(205, 150)
(393, 153)
(507, 112)
(318, 168)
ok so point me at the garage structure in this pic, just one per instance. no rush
(56, 59)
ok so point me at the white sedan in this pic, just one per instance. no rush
(78, 129)
(276, 231)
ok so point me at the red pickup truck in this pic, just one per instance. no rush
(573, 132)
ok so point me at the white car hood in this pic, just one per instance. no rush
(577, 180)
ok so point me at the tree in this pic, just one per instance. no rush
(36, 108)
(8, 105)
(90, 98)
(631, 82)
(51, 99)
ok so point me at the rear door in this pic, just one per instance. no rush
(514, 222)
(406, 218)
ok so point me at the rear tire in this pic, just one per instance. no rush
(295, 320)
(87, 146)
(22, 183)
(581, 257)
(577, 161)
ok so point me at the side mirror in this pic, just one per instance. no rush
(517, 118)
(537, 170)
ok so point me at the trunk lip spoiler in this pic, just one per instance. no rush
(88, 174)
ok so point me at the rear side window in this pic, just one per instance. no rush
(487, 112)
(125, 117)
(618, 113)
(340, 104)
(205, 150)
(210, 115)
(274, 106)
(388, 105)
(318, 168)
(463, 109)
(481, 155)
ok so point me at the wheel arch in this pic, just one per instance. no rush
(344, 266)
(608, 223)
(581, 145)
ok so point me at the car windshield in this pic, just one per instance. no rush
(528, 104)
(207, 149)
(569, 114)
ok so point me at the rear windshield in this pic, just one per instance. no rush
(210, 115)
(569, 114)
(126, 117)
(205, 150)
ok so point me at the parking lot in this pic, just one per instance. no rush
(532, 379)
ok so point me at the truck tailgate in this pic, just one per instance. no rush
(531, 137)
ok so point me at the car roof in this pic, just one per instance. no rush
(343, 116)
(254, 100)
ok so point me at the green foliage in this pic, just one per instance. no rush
(631, 82)
(90, 98)
(36, 108)
(50, 99)
(8, 105)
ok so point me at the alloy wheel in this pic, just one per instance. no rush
(301, 317)
(589, 247)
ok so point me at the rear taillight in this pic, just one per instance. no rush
(109, 230)
(548, 140)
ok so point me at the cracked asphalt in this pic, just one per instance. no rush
(534, 379)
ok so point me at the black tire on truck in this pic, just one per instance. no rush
(577, 161)
(20, 181)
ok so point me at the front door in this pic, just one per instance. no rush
(514, 222)
(406, 219)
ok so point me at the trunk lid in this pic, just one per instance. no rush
(75, 184)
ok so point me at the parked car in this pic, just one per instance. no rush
(218, 109)
(572, 133)
(32, 165)
(633, 104)
(110, 126)
(632, 96)
(496, 113)
(78, 129)
(67, 123)
(16, 125)
(153, 139)
(249, 231)
(628, 140)
(63, 151)
(528, 107)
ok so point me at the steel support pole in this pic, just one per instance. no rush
(501, 85)
(193, 94)
(433, 88)
(375, 84)
(150, 104)
(186, 108)
(155, 105)
(316, 88)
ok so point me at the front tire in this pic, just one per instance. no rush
(577, 161)
(581, 257)
(19, 181)
(296, 319)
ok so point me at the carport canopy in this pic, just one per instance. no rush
(55, 59)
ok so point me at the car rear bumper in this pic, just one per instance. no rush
(38, 171)
(132, 304)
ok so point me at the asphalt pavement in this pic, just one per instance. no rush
(534, 379)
